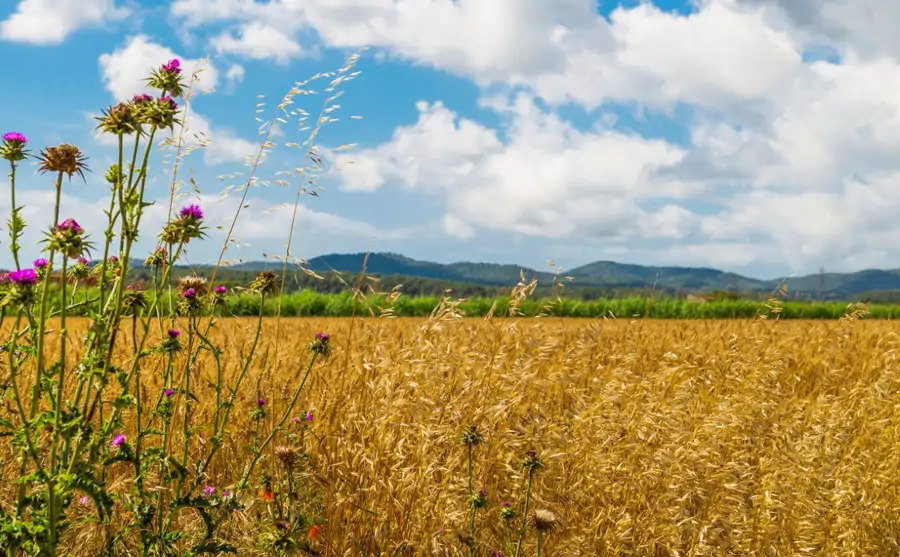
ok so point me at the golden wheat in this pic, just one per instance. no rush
(659, 438)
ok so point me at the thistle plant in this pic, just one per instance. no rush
(98, 437)
(471, 438)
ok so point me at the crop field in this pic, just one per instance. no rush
(654, 437)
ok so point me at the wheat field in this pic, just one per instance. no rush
(657, 437)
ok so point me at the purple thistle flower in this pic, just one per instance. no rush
(84, 500)
(141, 99)
(70, 224)
(40, 263)
(169, 101)
(507, 504)
(118, 440)
(83, 261)
(226, 494)
(15, 137)
(113, 259)
(309, 417)
(260, 401)
(209, 491)
(173, 333)
(192, 212)
(295, 419)
(4, 277)
(482, 493)
(173, 66)
(323, 337)
(26, 276)
(221, 289)
(189, 294)
(169, 392)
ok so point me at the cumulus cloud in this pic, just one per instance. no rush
(50, 22)
(546, 179)
(258, 41)
(124, 72)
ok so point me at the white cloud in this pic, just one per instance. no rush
(547, 179)
(235, 75)
(258, 41)
(125, 70)
(49, 22)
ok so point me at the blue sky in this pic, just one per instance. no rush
(759, 136)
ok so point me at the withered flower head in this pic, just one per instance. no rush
(265, 283)
(288, 456)
(192, 282)
(135, 297)
(544, 520)
(65, 158)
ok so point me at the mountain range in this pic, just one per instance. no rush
(606, 274)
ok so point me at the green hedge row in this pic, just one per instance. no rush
(309, 303)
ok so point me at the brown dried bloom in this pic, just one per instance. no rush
(265, 283)
(288, 456)
(199, 284)
(465, 538)
(65, 158)
(544, 520)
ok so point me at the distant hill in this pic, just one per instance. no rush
(618, 275)
(875, 284)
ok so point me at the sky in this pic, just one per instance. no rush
(755, 136)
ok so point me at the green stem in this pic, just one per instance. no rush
(525, 513)
(14, 218)
(60, 386)
(471, 502)
(42, 319)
